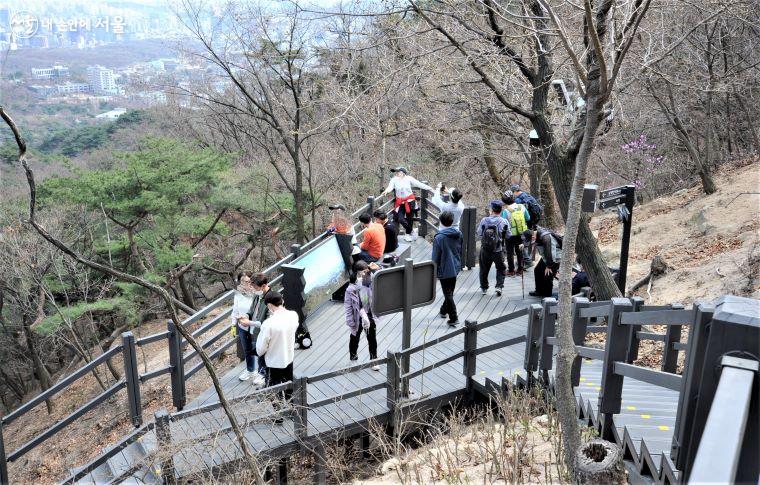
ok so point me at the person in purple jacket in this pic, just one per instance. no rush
(358, 306)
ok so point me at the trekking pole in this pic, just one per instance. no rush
(522, 280)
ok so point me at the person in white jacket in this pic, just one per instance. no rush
(405, 204)
(277, 340)
(448, 200)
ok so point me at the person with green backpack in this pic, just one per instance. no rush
(517, 215)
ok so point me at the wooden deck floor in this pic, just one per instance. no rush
(330, 333)
(205, 438)
(437, 387)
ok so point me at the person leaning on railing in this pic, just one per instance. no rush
(405, 204)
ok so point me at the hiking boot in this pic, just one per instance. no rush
(498, 291)
(453, 321)
(534, 293)
(510, 274)
(442, 315)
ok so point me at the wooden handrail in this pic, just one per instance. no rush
(62, 384)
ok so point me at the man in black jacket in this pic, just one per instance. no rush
(391, 231)
(549, 246)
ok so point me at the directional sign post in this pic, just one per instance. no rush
(402, 288)
(623, 198)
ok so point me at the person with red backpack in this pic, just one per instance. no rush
(492, 231)
(517, 215)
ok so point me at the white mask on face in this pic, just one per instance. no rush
(258, 292)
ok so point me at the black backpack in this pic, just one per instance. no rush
(534, 209)
(491, 239)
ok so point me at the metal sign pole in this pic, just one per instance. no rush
(626, 242)
(406, 332)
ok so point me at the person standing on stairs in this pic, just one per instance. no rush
(492, 230)
(357, 304)
(405, 204)
(447, 250)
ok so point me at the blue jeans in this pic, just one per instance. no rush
(364, 255)
(249, 349)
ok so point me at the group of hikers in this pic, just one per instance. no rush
(509, 236)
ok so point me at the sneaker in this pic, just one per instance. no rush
(376, 368)
(245, 375)
(533, 293)
(258, 379)
(510, 273)
(498, 291)
(408, 238)
(453, 321)
(442, 315)
(484, 291)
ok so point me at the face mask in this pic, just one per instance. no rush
(258, 292)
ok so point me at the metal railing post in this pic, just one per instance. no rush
(300, 405)
(470, 358)
(177, 363)
(730, 336)
(393, 386)
(672, 335)
(687, 398)
(468, 225)
(370, 205)
(579, 337)
(164, 439)
(424, 194)
(615, 349)
(132, 377)
(295, 250)
(3, 459)
(532, 341)
(548, 320)
(633, 333)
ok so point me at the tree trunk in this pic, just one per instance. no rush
(488, 158)
(134, 252)
(39, 368)
(547, 198)
(187, 292)
(599, 462)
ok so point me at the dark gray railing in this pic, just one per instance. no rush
(729, 439)
(133, 378)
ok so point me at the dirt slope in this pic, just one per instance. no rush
(710, 243)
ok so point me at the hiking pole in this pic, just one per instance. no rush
(522, 280)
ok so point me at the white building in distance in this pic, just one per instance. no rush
(101, 80)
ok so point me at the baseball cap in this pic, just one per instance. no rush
(400, 169)
(514, 187)
(496, 205)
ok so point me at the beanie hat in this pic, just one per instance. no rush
(514, 187)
